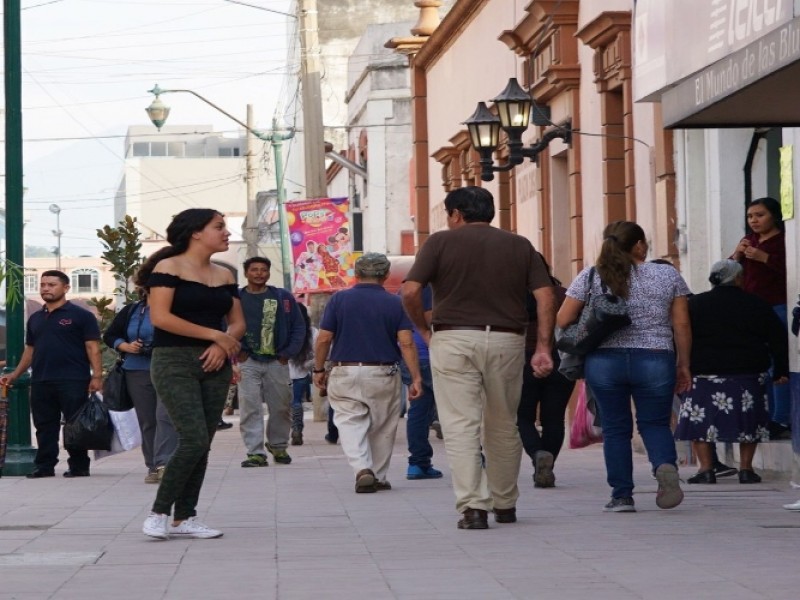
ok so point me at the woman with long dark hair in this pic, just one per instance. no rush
(762, 254)
(647, 360)
(198, 320)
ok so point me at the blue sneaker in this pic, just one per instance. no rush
(417, 472)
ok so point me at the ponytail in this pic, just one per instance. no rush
(615, 261)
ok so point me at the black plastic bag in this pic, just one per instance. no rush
(115, 392)
(91, 427)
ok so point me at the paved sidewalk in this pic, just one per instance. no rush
(299, 532)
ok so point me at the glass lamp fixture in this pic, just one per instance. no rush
(513, 107)
(158, 112)
(484, 128)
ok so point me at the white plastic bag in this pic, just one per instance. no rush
(127, 434)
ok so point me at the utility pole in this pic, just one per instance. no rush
(277, 139)
(310, 75)
(251, 221)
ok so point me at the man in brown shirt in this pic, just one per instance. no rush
(480, 275)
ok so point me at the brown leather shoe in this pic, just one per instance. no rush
(365, 482)
(474, 518)
(505, 515)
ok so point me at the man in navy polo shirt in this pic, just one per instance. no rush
(370, 333)
(62, 345)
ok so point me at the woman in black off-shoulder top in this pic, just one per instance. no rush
(198, 321)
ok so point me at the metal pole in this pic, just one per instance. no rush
(19, 458)
(277, 147)
(251, 221)
(58, 240)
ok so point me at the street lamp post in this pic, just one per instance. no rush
(158, 113)
(56, 210)
(20, 453)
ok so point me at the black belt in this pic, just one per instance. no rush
(517, 330)
(345, 363)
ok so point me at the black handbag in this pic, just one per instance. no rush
(602, 315)
(90, 428)
(115, 392)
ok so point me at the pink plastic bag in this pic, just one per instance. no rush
(582, 430)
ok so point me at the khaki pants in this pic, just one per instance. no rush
(366, 409)
(477, 380)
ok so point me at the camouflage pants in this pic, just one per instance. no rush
(194, 400)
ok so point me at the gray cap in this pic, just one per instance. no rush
(725, 272)
(372, 264)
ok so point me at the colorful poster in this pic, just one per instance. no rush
(322, 250)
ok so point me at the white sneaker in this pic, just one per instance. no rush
(792, 506)
(155, 525)
(192, 528)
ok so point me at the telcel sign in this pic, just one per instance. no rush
(695, 34)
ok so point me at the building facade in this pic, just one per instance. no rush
(575, 59)
(379, 144)
(191, 166)
(342, 28)
(725, 80)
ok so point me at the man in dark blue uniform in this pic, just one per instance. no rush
(62, 345)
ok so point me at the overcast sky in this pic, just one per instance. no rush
(87, 66)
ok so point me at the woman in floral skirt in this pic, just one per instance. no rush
(735, 335)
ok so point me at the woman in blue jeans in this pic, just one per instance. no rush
(647, 360)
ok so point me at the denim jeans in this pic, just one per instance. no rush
(301, 392)
(779, 396)
(419, 416)
(333, 431)
(616, 374)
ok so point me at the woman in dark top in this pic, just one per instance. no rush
(762, 254)
(548, 396)
(190, 299)
(735, 335)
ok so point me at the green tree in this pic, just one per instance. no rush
(123, 252)
(12, 275)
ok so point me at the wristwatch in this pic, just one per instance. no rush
(317, 371)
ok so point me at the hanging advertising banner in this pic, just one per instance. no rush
(322, 250)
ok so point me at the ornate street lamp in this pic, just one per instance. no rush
(158, 112)
(514, 109)
(56, 210)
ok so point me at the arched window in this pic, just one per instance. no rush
(84, 280)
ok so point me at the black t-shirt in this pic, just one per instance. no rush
(195, 302)
(59, 343)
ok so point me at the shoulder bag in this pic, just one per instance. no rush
(602, 315)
